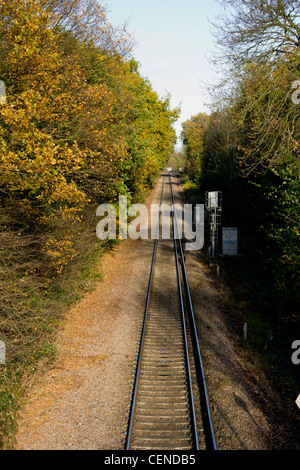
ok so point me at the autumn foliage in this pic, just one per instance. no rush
(80, 126)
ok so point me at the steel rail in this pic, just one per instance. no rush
(210, 435)
(186, 352)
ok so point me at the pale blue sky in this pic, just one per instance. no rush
(174, 42)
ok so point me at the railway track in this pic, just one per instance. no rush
(169, 407)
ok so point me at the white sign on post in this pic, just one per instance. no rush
(230, 241)
(2, 92)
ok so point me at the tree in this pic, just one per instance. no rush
(80, 126)
(257, 31)
(193, 136)
(259, 41)
(282, 255)
(266, 118)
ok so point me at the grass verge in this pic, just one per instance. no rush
(31, 311)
